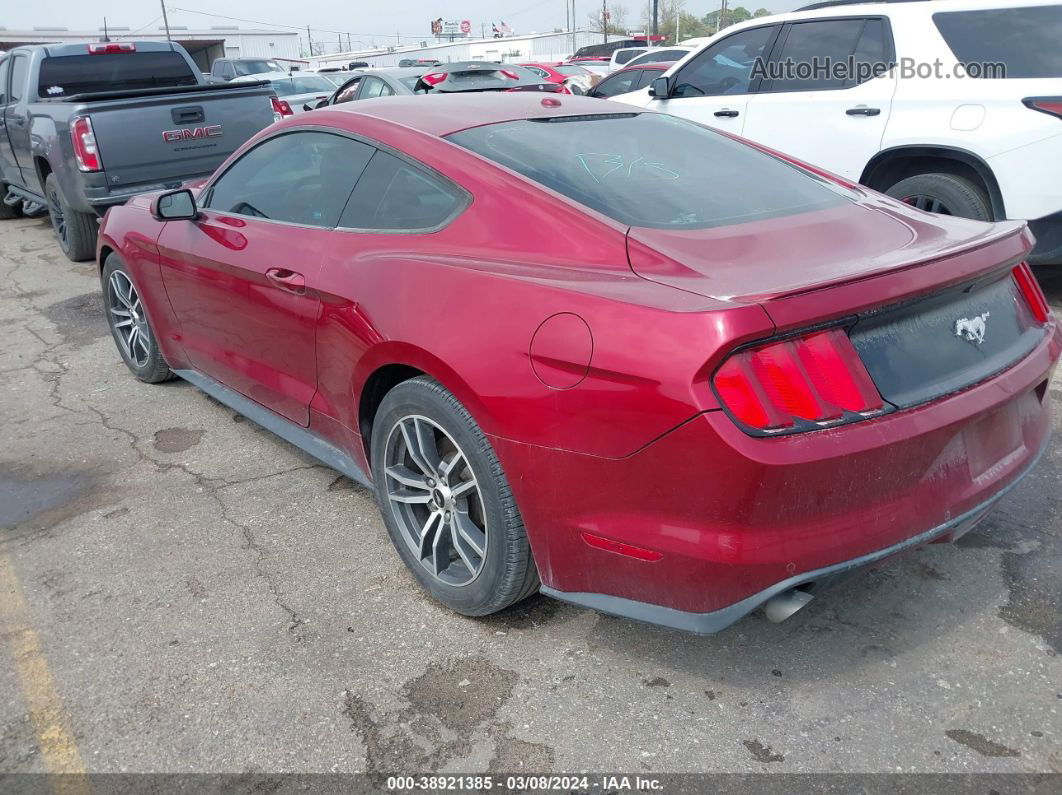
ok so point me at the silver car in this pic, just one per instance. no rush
(296, 90)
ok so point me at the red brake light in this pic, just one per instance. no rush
(434, 78)
(817, 378)
(84, 141)
(510, 75)
(282, 107)
(1034, 296)
(1049, 105)
(111, 48)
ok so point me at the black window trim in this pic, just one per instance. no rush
(779, 43)
(754, 83)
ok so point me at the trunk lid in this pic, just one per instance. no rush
(173, 136)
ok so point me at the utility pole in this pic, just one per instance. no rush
(656, 13)
(604, 19)
(165, 21)
(105, 36)
(574, 25)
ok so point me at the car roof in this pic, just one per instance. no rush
(442, 114)
(659, 65)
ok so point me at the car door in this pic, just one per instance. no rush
(243, 278)
(833, 119)
(17, 122)
(714, 86)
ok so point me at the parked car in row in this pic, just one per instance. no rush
(694, 379)
(660, 55)
(575, 78)
(953, 107)
(463, 76)
(627, 80)
(369, 85)
(293, 92)
(225, 69)
(85, 126)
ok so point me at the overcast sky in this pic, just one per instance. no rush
(373, 18)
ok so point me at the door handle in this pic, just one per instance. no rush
(287, 280)
(726, 113)
(863, 110)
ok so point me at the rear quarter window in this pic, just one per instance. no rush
(1026, 41)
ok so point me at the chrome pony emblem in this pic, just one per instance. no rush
(972, 329)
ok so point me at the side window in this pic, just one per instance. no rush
(348, 91)
(392, 194)
(618, 84)
(375, 87)
(300, 177)
(873, 55)
(820, 45)
(4, 63)
(727, 67)
(647, 77)
(228, 71)
(537, 71)
(19, 74)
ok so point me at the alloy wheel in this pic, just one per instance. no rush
(127, 318)
(435, 499)
(930, 204)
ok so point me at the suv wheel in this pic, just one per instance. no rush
(945, 194)
(447, 503)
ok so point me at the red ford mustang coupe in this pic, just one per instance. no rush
(612, 355)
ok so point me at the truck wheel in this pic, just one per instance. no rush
(945, 194)
(75, 231)
(8, 212)
(447, 503)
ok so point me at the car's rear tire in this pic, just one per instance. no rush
(129, 325)
(75, 231)
(946, 194)
(447, 503)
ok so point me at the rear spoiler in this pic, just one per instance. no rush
(91, 96)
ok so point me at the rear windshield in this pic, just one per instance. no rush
(302, 85)
(79, 74)
(652, 169)
(1026, 41)
(570, 70)
(244, 68)
(477, 77)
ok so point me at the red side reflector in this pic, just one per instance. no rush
(84, 141)
(628, 550)
(1034, 296)
(111, 48)
(282, 107)
(1049, 105)
(818, 378)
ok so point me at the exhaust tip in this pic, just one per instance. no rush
(784, 605)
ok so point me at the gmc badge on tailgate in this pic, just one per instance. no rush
(186, 134)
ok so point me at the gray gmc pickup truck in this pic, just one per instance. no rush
(86, 126)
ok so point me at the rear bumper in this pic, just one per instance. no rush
(1048, 249)
(717, 620)
(99, 198)
(736, 519)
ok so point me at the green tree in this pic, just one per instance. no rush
(616, 22)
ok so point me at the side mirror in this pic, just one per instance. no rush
(323, 103)
(175, 205)
(660, 88)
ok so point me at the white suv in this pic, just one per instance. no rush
(904, 114)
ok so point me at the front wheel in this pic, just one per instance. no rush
(447, 503)
(75, 231)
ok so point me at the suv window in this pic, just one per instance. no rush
(300, 177)
(623, 56)
(658, 55)
(1025, 40)
(652, 169)
(79, 74)
(816, 47)
(619, 83)
(726, 67)
(375, 87)
(19, 73)
(393, 194)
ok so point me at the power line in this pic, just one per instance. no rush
(289, 27)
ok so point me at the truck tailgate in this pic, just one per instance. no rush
(172, 137)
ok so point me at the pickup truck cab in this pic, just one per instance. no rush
(86, 126)
(225, 69)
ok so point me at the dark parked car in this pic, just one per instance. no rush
(629, 79)
(652, 367)
(85, 126)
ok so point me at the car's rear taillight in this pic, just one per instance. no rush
(434, 78)
(509, 74)
(1034, 296)
(800, 383)
(111, 48)
(1049, 105)
(282, 107)
(84, 140)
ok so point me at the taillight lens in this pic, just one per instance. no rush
(84, 140)
(798, 384)
(509, 74)
(1034, 296)
(282, 107)
(434, 78)
(1049, 105)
